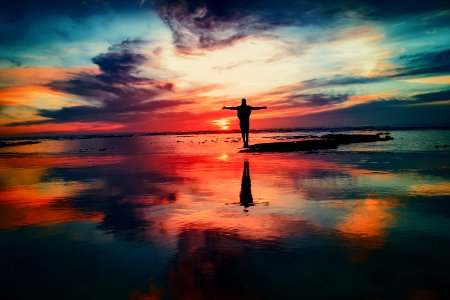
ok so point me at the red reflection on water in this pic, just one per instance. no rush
(27, 198)
(207, 197)
(192, 202)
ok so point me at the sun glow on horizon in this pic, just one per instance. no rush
(223, 124)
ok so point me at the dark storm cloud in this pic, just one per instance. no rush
(320, 99)
(204, 24)
(432, 97)
(340, 80)
(309, 100)
(207, 24)
(431, 62)
(120, 60)
(118, 93)
(212, 23)
(415, 111)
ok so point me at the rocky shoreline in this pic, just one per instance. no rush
(328, 141)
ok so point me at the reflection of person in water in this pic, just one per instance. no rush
(246, 188)
(243, 113)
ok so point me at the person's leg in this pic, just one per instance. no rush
(244, 132)
(247, 132)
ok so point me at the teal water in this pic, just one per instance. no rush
(179, 217)
(425, 140)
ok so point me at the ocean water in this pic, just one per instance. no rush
(189, 217)
(425, 140)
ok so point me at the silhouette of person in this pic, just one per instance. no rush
(243, 113)
(246, 198)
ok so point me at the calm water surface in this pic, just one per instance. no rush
(187, 217)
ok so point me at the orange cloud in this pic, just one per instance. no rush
(88, 127)
(38, 75)
(35, 96)
(355, 100)
(431, 80)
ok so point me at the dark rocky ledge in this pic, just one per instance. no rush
(329, 141)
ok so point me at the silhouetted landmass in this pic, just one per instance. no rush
(12, 144)
(291, 137)
(308, 145)
(328, 141)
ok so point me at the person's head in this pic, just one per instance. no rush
(244, 101)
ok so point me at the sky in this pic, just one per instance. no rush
(98, 66)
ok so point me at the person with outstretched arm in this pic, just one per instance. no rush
(243, 113)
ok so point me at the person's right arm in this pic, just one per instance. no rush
(230, 107)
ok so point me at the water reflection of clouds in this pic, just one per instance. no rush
(30, 196)
(431, 189)
(179, 202)
(126, 191)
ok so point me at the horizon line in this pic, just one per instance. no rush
(218, 131)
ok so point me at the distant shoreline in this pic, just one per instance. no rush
(13, 144)
(269, 130)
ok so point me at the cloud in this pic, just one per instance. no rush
(386, 112)
(421, 64)
(290, 102)
(432, 97)
(430, 62)
(117, 93)
(69, 33)
(206, 24)
(209, 24)
(319, 99)
(340, 80)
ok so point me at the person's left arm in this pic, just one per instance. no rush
(258, 107)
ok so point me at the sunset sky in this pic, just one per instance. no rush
(98, 66)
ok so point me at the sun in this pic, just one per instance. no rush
(224, 124)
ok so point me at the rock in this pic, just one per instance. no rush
(308, 145)
(329, 141)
